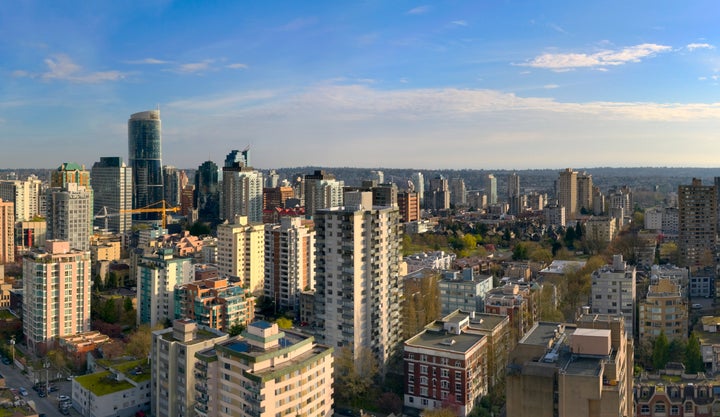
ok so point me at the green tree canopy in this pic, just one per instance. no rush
(693, 356)
(661, 351)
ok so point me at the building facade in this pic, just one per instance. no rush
(27, 196)
(157, 276)
(112, 194)
(665, 309)
(173, 363)
(357, 278)
(145, 158)
(242, 192)
(697, 224)
(289, 262)
(567, 192)
(60, 270)
(572, 370)
(613, 292)
(321, 191)
(215, 302)
(241, 252)
(7, 232)
(265, 372)
(69, 215)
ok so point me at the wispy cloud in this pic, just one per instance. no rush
(459, 22)
(194, 67)
(237, 66)
(149, 61)
(297, 24)
(550, 86)
(62, 67)
(694, 46)
(557, 28)
(419, 10)
(601, 59)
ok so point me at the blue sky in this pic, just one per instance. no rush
(447, 84)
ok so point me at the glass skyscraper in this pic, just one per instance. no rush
(145, 155)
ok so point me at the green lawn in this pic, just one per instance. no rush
(102, 383)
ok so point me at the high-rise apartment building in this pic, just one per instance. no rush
(565, 370)
(207, 191)
(567, 192)
(418, 181)
(173, 363)
(437, 196)
(358, 287)
(275, 197)
(69, 215)
(215, 302)
(409, 205)
(458, 192)
(241, 252)
(157, 277)
(697, 224)
(112, 194)
(145, 156)
(613, 292)
(57, 284)
(265, 372)
(70, 172)
(27, 196)
(273, 179)
(665, 309)
(289, 261)
(7, 232)
(585, 192)
(513, 194)
(491, 189)
(174, 180)
(242, 190)
(322, 191)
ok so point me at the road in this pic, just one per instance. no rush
(48, 405)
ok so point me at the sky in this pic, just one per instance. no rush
(456, 84)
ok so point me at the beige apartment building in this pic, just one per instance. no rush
(664, 309)
(172, 359)
(241, 252)
(567, 192)
(570, 370)
(65, 273)
(265, 372)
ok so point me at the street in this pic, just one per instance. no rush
(48, 405)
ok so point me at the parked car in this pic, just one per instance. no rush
(697, 306)
(62, 398)
(6, 361)
(23, 391)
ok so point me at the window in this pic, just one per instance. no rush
(445, 384)
(411, 379)
(444, 373)
(660, 408)
(674, 410)
(424, 380)
(423, 369)
(423, 391)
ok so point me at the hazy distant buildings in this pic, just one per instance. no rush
(409, 205)
(112, 194)
(555, 215)
(697, 224)
(491, 189)
(513, 194)
(567, 192)
(242, 189)
(458, 193)
(145, 151)
(174, 180)
(437, 196)
(418, 181)
(585, 192)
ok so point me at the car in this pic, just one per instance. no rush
(65, 411)
(62, 398)
(41, 393)
(23, 391)
(53, 388)
(6, 361)
(697, 306)
(70, 377)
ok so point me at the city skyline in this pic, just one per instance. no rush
(369, 84)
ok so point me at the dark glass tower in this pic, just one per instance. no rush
(145, 154)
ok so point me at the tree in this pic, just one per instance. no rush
(353, 378)
(284, 323)
(139, 342)
(199, 228)
(660, 352)
(112, 281)
(439, 412)
(128, 304)
(693, 356)
(110, 313)
(236, 329)
(389, 402)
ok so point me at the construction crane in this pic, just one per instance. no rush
(163, 210)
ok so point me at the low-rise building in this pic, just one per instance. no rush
(446, 366)
(684, 398)
(463, 290)
(665, 309)
(121, 389)
(215, 302)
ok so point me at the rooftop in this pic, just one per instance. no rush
(543, 333)
(442, 340)
(103, 383)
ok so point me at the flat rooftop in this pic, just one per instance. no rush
(543, 333)
(583, 366)
(443, 340)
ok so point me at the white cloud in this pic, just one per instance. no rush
(195, 67)
(557, 28)
(237, 66)
(694, 46)
(149, 61)
(62, 67)
(550, 86)
(601, 59)
(419, 10)
(459, 23)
